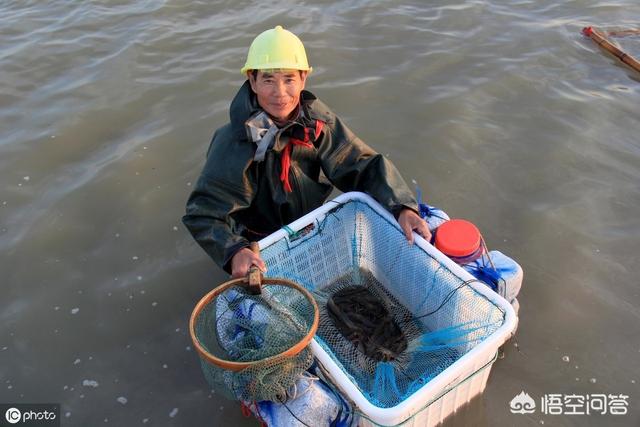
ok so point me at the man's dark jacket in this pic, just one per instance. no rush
(238, 199)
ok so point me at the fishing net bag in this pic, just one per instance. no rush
(253, 342)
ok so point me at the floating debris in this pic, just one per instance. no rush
(601, 39)
(122, 400)
(565, 359)
(75, 310)
(173, 412)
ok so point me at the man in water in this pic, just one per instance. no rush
(279, 158)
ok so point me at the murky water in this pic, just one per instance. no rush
(501, 111)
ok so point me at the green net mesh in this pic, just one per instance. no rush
(237, 326)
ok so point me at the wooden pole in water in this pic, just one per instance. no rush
(624, 33)
(602, 41)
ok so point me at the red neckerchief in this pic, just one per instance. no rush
(286, 155)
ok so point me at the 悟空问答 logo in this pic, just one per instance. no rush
(522, 404)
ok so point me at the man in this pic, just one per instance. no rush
(278, 158)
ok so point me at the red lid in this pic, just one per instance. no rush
(457, 238)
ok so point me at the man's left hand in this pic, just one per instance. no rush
(410, 221)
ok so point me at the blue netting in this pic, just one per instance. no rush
(441, 316)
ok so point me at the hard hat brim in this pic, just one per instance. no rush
(273, 67)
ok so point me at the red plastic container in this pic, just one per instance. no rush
(460, 240)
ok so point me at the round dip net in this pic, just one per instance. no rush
(253, 344)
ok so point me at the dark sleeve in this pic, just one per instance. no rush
(223, 188)
(351, 165)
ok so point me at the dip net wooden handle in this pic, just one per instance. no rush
(255, 275)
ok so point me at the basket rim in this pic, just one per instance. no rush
(238, 366)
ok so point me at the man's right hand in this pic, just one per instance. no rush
(242, 262)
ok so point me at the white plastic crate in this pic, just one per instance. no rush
(354, 230)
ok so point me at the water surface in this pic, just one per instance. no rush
(501, 111)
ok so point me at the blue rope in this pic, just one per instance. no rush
(385, 380)
(424, 210)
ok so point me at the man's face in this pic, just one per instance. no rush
(278, 92)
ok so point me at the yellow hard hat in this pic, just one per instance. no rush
(276, 49)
